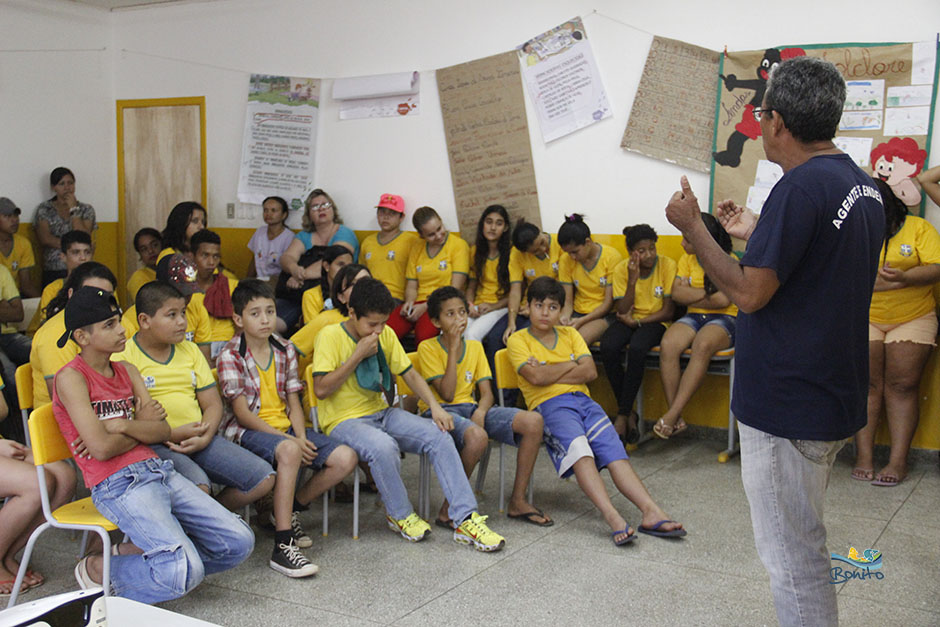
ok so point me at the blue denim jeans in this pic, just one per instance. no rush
(221, 462)
(785, 482)
(378, 438)
(184, 533)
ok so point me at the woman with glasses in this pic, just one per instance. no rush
(322, 227)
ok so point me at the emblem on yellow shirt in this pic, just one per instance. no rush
(555, 266)
(468, 376)
(368, 256)
(15, 266)
(658, 291)
(149, 382)
(530, 271)
(391, 255)
(906, 250)
(602, 280)
(195, 382)
(576, 283)
(417, 268)
(190, 335)
(442, 265)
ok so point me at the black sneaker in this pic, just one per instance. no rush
(301, 539)
(288, 560)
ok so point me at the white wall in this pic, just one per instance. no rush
(210, 48)
(56, 103)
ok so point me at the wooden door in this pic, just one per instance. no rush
(161, 162)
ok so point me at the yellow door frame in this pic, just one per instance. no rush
(199, 101)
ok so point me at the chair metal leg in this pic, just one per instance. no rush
(24, 562)
(106, 562)
(326, 513)
(83, 546)
(733, 448)
(356, 503)
(24, 412)
(481, 468)
(502, 478)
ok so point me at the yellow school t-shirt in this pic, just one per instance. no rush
(218, 329)
(915, 244)
(488, 287)
(139, 279)
(46, 358)
(568, 346)
(471, 368)
(650, 290)
(312, 302)
(198, 328)
(333, 347)
(48, 293)
(690, 268)
(21, 256)
(272, 411)
(8, 292)
(387, 262)
(173, 383)
(530, 267)
(589, 283)
(434, 272)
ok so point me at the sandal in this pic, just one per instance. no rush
(662, 430)
(862, 474)
(680, 426)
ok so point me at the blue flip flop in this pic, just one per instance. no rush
(654, 530)
(630, 538)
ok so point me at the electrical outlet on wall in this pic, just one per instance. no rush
(230, 210)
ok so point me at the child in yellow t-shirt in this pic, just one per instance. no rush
(554, 367)
(586, 272)
(16, 252)
(147, 242)
(707, 328)
(441, 259)
(259, 381)
(488, 291)
(76, 246)
(215, 287)
(386, 253)
(177, 376)
(643, 308)
(354, 363)
(45, 357)
(455, 368)
(317, 299)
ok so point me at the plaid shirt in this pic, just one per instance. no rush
(238, 376)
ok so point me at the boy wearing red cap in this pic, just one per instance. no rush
(386, 253)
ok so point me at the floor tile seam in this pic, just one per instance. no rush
(896, 511)
(294, 603)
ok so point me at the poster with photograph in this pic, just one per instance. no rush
(279, 142)
(563, 81)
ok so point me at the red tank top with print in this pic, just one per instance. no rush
(112, 398)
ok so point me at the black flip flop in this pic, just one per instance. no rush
(528, 517)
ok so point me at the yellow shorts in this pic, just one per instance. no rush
(921, 330)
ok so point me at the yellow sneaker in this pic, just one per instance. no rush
(413, 528)
(474, 531)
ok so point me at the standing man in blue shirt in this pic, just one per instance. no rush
(803, 287)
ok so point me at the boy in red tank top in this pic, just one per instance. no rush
(178, 533)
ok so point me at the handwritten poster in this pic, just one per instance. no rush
(488, 140)
(563, 80)
(279, 141)
(673, 114)
(885, 125)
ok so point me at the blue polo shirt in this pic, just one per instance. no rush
(801, 361)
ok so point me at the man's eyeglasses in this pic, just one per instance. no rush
(759, 111)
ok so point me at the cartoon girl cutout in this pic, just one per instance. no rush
(896, 162)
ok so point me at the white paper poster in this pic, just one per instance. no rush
(904, 121)
(380, 96)
(767, 175)
(280, 137)
(563, 81)
(859, 148)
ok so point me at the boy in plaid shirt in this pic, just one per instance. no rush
(258, 376)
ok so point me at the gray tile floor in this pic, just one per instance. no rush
(571, 573)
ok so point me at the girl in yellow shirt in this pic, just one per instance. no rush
(643, 308)
(441, 259)
(707, 328)
(902, 331)
(488, 292)
(586, 272)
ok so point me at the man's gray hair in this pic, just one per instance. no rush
(809, 93)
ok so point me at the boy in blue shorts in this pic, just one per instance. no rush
(258, 377)
(177, 375)
(555, 365)
(353, 366)
(103, 407)
(454, 367)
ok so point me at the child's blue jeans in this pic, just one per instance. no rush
(184, 533)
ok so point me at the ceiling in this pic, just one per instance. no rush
(114, 5)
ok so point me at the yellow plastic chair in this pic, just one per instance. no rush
(311, 399)
(24, 395)
(49, 446)
(507, 378)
